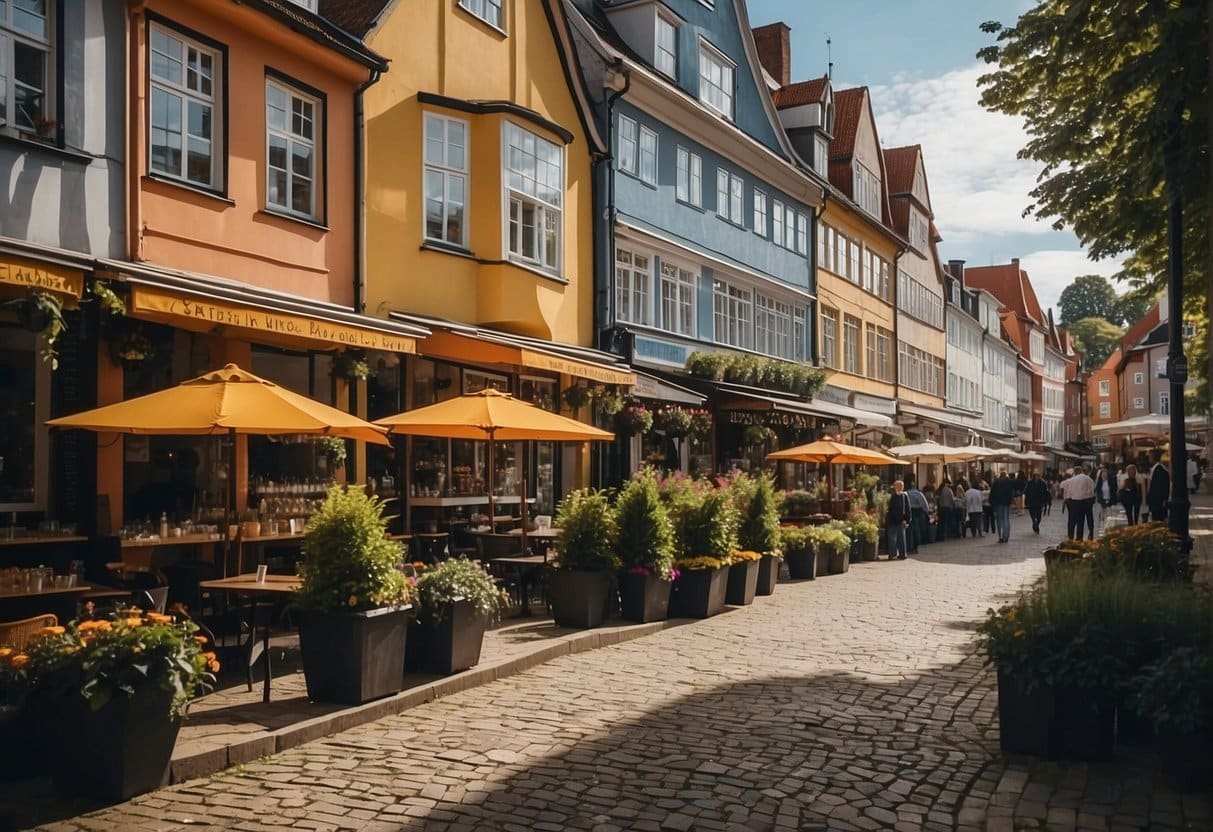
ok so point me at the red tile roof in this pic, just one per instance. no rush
(354, 16)
(1011, 285)
(848, 105)
(800, 93)
(900, 165)
(1141, 329)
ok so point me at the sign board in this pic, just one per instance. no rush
(659, 352)
(46, 276)
(873, 404)
(1177, 369)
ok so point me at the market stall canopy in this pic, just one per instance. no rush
(827, 451)
(491, 414)
(933, 452)
(1151, 424)
(230, 400)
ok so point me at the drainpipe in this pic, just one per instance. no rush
(360, 194)
(619, 88)
(815, 350)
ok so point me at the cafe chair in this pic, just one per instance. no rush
(152, 600)
(19, 634)
(430, 550)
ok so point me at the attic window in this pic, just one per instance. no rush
(665, 50)
(829, 113)
(715, 80)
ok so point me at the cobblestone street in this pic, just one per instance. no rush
(849, 702)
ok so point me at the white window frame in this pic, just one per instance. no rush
(294, 139)
(851, 348)
(633, 285)
(1105, 388)
(1105, 410)
(665, 55)
(689, 178)
(760, 212)
(1139, 378)
(1164, 404)
(450, 172)
(800, 333)
(730, 196)
(491, 12)
(732, 314)
(918, 231)
(777, 226)
(829, 338)
(773, 329)
(716, 79)
(647, 153)
(10, 37)
(802, 234)
(821, 156)
(867, 189)
(186, 95)
(1139, 402)
(550, 215)
(678, 285)
(628, 143)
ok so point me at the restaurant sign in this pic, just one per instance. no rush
(776, 419)
(46, 276)
(578, 369)
(209, 314)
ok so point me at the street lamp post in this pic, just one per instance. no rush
(1177, 362)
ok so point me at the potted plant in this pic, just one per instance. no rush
(742, 583)
(633, 418)
(130, 347)
(799, 547)
(334, 450)
(644, 543)
(673, 420)
(584, 566)
(759, 506)
(577, 395)
(351, 364)
(1176, 693)
(701, 423)
(42, 313)
(454, 603)
(863, 529)
(353, 602)
(799, 503)
(834, 543)
(705, 535)
(106, 698)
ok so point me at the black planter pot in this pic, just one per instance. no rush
(867, 551)
(742, 584)
(699, 593)
(644, 598)
(448, 645)
(353, 657)
(1185, 760)
(1024, 719)
(116, 752)
(579, 599)
(802, 564)
(768, 574)
(856, 553)
(838, 562)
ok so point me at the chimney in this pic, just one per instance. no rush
(957, 269)
(1014, 261)
(775, 51)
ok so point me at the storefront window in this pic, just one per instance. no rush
(24, 387)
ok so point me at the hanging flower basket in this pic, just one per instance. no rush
(701, 423)
(577, 396)
(352, 364)
(633, 419)
(673, 420)
(130, 348)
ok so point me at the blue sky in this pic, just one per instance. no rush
(918, 57)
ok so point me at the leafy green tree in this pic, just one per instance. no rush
(1095, 338)
(1089, 296)
(1132, 307)
(1100, 87)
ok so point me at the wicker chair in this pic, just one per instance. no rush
(19, 634)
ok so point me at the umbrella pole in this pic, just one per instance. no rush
(229, 515)
(488, 480)
(522, 495)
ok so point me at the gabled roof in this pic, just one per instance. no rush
(848, 105)
(319, 28)
(1011, 285)
(900, 164)
(354, 16)
(801, 93)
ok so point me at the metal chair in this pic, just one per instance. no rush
(19, 634)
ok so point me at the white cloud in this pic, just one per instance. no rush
(1052, 271)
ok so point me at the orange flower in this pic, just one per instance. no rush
(201, 639)
(213, 666)
(52, 631)
(5, 652)
(353, 602)
(19, 661)
(134, 622)
(88, 626)
(159, 618)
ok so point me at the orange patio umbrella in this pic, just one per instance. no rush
(492, 416)
(228, 401)
(829, 452)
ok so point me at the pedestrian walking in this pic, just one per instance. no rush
(987, 510)
(945, 501)
(1079, 493)
(1021, 482)
(1130, 493)
(1104, 495)
(920, 511)
(973, 506)
(1159, 489)
(1036, 496)
(897, 521)
(1002, 494)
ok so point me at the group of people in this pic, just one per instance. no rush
(981, 506)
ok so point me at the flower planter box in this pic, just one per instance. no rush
(448, 645)
(837, 562)
(353, 657)
(579, 599)
(114, 753)
(768, 574)
(742, 584)
(1024, 719)
(699, 593)
(802, 564)
(1055, 724)
(867, 551)
(644, 598)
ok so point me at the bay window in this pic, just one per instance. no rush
(677, 299)
(446, 170)
(632, 285)
(534, 170)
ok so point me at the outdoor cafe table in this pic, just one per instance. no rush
(526, 566)
(16, 605)
(247, 586)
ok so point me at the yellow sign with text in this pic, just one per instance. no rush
(579, 369)
(49, 277)
(207, 314)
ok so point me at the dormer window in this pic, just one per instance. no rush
(821, 156)
(715, 80)
(918, 231)
(665, 48)
(828, 121)
(867, 190)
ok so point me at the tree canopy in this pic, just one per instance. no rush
(1095, 338)
(1089, 296)
(1101, 85)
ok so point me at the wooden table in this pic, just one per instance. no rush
(39, 539)
(248, 586)
(527, 566)
(14, 606)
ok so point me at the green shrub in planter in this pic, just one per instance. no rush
(585, 562)
(759, 506)
(455, 602)
(705, 519)
(643, 534)
(799, 503)
(1176, 694)
(456, 579)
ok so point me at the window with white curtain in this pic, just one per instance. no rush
(689, 185)
(760, 213)
(648, 156)
(665, 56)
(628, 143)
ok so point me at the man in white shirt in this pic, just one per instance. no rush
(1193, 470)
(1079, 490)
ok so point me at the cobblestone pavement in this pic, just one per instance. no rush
(850, 702)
